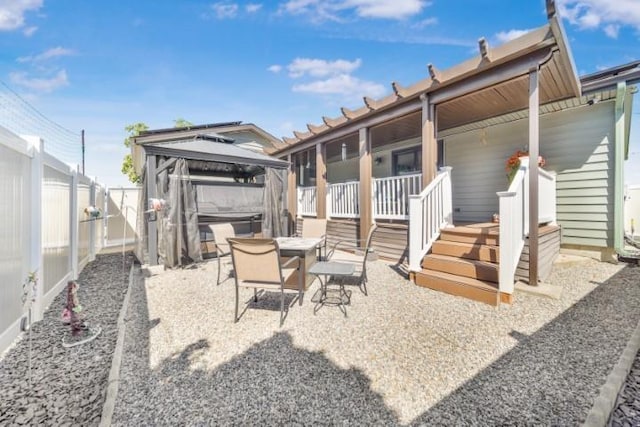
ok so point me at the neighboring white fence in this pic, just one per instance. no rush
(632, 210)
(391, 195)
(121, 216)
(44, 228)
(344, 200)
(429, 212)
(307, 201)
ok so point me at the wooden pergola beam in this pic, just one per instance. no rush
(483, 46)
(534, 152)
(292, 193)
(366, 209)
(321, 181)
(400, 91)
(434, 73)
(429, 143)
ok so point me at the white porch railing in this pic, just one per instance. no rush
(307, 201)
(546, 197)
(429, 212)
(391, 195)
(514, 218)
(344, 199)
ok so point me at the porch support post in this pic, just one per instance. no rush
(292, 194)
(321, 181)
(152, 225)
(429, 144)
(534, 152)
(366, 190)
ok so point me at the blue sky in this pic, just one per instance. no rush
(100, 65)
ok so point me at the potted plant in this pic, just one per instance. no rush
(513, 163)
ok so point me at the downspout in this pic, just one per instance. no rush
(621, 138)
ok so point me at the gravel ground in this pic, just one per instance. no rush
(627, 409)
(404, 354)
(68, 385)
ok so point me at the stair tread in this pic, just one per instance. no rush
(463, 244)
(484, 229)
(468, 281)
(469, 261)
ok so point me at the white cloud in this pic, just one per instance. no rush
(425, 23)
(606, 14)
(29, 31)
(275, 68)
(40, 84)
(320, 10)
(506, 36)
(12, 12)
(225, 10)
(253, 7)
(47, 54)
(612, 30)
(321, 68)
(342, 84)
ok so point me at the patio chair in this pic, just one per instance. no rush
(221, 232)
(360, 261)
(313, 228)
(257, 265)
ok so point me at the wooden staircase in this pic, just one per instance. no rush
(464, 262)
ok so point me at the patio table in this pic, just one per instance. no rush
(305, 248)
(337, 270)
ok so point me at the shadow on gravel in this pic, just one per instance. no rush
(273, 382)
(553, 376)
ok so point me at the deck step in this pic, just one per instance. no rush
(481, 270)
(466, 250)
(482, 236)
(477, 290)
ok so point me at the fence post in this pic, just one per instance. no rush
(299, 202)
(328, 204)
(92, 222)
(73, 230)
(35, 244)
(447, 203)
(374, 197)
(416, 232)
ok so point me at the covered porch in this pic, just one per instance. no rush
(336, 169)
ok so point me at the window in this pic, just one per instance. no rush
(407, 161)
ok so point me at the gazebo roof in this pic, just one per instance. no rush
(202, 148)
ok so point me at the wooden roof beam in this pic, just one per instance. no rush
(400, 91)
(348, 114)
(483, 45)
(317, 129)
(370, 103)
(301, 135)
(551, 9)
(434, 73)
(290, 141)
(333, 122)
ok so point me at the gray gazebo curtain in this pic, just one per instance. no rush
(275, 190)
(179, 240)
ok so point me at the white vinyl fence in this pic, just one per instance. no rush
(44, 231)
(121, 215)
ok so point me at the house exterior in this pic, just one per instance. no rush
(432, 155)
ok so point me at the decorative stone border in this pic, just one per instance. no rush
(606, 401)
(114, 373)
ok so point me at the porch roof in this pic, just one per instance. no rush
(493, 83)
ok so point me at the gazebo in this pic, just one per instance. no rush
(188, 182)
